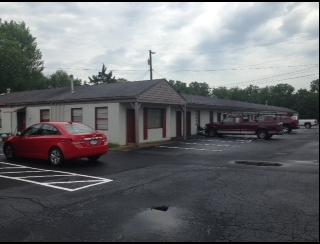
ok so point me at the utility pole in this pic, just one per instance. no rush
(150, 62)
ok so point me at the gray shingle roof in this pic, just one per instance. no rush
(194, 100)
(119, 90)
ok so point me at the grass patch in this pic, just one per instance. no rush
(113, 145)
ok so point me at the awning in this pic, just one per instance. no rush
(14, 109)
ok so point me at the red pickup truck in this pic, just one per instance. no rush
(241, 125)
(288, 123)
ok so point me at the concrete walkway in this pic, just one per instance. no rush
(133, 146)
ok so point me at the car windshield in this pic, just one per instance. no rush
(78, 128)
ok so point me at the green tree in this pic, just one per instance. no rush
(200, 89)
(122, 80)
(251, 94)
(314, 86)
(103, 77)
(281, 95)
(179, 86)
(307, 104)
(264, 95)
(221, 92)
(61, 79)
(21, 63)
(237, 94)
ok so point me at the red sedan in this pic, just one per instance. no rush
(57, 142)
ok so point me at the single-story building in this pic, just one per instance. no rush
(127, 112)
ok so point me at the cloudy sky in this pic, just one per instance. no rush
(221, 44)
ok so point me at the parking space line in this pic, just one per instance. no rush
(189, 148)
(92, 182)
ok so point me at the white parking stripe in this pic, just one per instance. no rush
(91, 182)
(189, 148)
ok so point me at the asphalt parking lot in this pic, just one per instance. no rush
(234, 188)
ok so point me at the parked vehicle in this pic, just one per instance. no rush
(241, 125)
(200, 130)
(308, 123)
(289, 123)
(57, 142)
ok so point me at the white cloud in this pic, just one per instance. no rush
(221, 44)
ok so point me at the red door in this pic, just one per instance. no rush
(131, 135)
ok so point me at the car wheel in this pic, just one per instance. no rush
(285, 129)
(9, 152)
(212, 133)
(262, 134)
(55, 156)
(93, 158)
(307, 125)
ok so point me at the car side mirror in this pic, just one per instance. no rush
(18, 133)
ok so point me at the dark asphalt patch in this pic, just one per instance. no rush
(257, 163)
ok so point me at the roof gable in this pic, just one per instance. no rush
(162, 92)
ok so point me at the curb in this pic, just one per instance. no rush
(142, 145)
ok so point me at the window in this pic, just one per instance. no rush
(33, 130)
(211, 117)
(76, 115)
(78, 128)
(219, 117)
(228, 120)
(44, 115)
(0, 120)
(154, 118)
(197, 117)
(49, 130)
(102, 118)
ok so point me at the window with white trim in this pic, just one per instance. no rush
(76, 115)
(101, 121)
(44, 115)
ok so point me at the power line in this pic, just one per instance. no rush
(241, 48)
(201, 70)
(143, 75)
(246, 82)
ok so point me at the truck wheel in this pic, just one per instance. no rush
(307, 125)
(212, 133)
(262, 134)
(286, 129)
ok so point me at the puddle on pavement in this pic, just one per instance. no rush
(155, 219)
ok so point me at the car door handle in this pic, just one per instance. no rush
(63, 141)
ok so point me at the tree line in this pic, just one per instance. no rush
(21, 69)
(305, 102)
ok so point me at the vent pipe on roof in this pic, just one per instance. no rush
(8, 90)
(72, 87)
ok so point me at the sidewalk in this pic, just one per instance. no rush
(132, 146)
